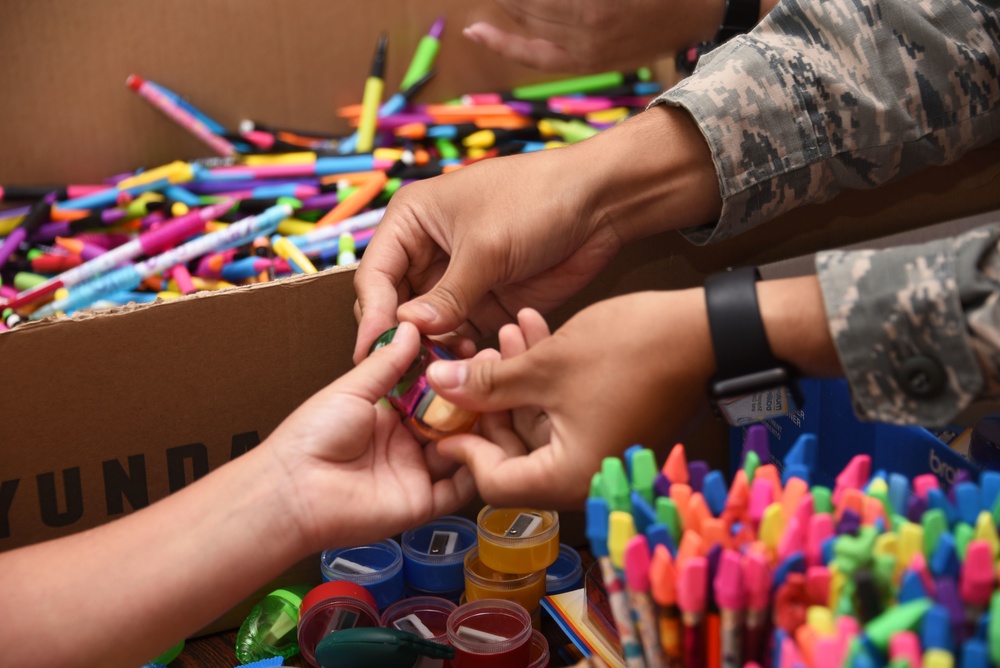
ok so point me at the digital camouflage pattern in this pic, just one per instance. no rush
(830, 94)
(939, 301)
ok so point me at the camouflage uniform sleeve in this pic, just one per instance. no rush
(830, 94)
(917, 327)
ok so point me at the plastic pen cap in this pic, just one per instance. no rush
(621, 527)
(977, 573)
(616, 487)
(691, 585)
(675, 468)
(597, 526)
(663, 577)
(729, 582)
(636, 562)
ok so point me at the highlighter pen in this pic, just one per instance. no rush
(637, 583)
(155, 96)
(130, 276)
(691, 590)
(147, 243)
(730, 596)
(371, 97)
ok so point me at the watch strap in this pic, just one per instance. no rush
(740, 17)
(738, 335)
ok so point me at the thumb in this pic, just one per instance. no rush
(447, 305)
(489, 385)
(379, 372)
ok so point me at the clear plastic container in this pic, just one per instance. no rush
(413, 397)
(539, 650)
(377, 567)
(331, 607)
(566, 573)
(425, 617)
(271, 628)
(490, 634)
(483, 582)
(518, 540)
(434, 555)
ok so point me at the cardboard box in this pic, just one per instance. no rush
(104, 414)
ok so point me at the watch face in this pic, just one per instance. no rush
(757, 406)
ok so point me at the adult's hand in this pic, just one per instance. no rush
(464, 252)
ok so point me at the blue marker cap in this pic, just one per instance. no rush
(658, 534)
(911, 587)
(969, 501)
(974, 654)
(989, 487)
(899, 492)
(828, 550)
(713, 488)
(697, 470)
(800, 471)
(944, 560)
(642, 512)
(935, 630)
(629, 454)
(803, 451)
(597, 525)
(793, 563)
(936, 498)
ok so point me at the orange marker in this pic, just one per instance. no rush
(697, 512)
(356, 201)
(680, 493)
(795, 489)
(676, 466)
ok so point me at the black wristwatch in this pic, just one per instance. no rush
(750, 384)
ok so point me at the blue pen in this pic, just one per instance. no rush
(899, 492)
(642, 513)
(130, 276)
(793, 563)
(242, 269)
(658, 534)
(944, 560)
(713, 488)
(911, 587)
(936, 499)
(969, 501)
(989, 486)
(182, 195)
(105, 198)
(974, 654)
(597, 525)
(209, 122)
(935, 630)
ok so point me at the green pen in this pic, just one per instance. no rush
(616, 490)
(750, 464)
(424, 56)
(447, 149)
(585, 84)
(903, 617)
(935, 523)
(644, 472)
(822, 500)
(964, 533)
(667, 515)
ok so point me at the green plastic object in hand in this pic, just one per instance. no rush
(386, 648)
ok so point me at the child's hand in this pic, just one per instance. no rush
(357, 473)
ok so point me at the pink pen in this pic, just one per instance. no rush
(905, 645)
(757, 583)
(148, 243)
(820, 528)
(691, 590)
(818, 585)
(731, 599)
(761, 496)
(976, 583)
(854, 476)
(184, 118)
(637, 561)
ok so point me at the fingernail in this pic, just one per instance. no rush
(470, 34)
(403, 330)
(448, 375)
(425, 311)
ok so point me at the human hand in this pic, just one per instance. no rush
(632, 369)
(471, 248)
(357, 474)
(594, 36)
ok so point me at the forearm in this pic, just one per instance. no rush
(123, 592)
(825, 96)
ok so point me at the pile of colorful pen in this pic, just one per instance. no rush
(771, 571)
(275, 201)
